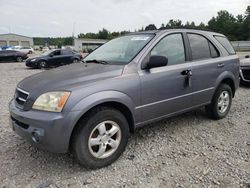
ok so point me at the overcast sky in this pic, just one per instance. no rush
(57, 17)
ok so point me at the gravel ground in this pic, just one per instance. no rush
(188, 150)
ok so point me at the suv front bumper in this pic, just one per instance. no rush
(49, 131)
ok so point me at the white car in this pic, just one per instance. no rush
(23, 49)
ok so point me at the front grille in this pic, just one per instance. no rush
(20, 124)
(246, 74)
(21, 97)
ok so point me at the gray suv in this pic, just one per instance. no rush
(91, 108)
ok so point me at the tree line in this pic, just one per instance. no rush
(234, 27)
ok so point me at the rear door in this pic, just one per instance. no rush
(206, 64)
(66, 57)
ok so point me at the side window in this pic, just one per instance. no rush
(199, 47)
(66, 52)
(171, 47)
(214, 52)
(56, 53)
(226, 44)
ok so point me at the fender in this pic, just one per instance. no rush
(101, 97)
(223, 76)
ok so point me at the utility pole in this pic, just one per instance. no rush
(73, 34)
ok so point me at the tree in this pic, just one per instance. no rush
(162, 27)
(244, 29)
(224, 23)
(174, 24)
(103, 34)
(150, 27)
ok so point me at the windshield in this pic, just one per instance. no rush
(46, 53)
(120, 50)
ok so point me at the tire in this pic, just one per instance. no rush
(42, 65)
(19, 59)
(221, 102)
(100, 154)
(75, 61)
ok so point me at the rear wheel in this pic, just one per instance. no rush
(19, 59)
(42, 65)
(100, 137)
(75, 60)
(221, 102)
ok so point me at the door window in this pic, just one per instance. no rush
(66, 52)
(201, 48)
(56, 53)
(171, 47)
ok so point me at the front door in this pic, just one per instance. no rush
(166, 90)
(56, 59)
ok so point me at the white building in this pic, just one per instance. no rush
(87, 45)
(12, 39)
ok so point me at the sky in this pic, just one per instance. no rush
(52, 18)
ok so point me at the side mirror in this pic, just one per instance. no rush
(247, 56)
(51, 55)
(155, 61)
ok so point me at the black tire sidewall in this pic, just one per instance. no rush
(81, 149)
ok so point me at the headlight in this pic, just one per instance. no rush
(51, 101)
(32, 60)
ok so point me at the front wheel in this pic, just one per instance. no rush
(19, 59)
(221, 102)
(42, 65)
(100, 137)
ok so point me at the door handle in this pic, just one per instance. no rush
(220, 65)
(188, 73)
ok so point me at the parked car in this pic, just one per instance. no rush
(12, 55)
(54, 58)
(27, 50)
(6, 47)
(245, 70)
(126, 83)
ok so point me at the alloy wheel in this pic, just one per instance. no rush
(104, 139)
(223, 102)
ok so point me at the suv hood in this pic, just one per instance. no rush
(66, 77)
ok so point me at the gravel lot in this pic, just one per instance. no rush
(188, 150)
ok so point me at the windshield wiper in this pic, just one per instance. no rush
(97, 61)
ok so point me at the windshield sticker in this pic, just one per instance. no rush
(140, 38)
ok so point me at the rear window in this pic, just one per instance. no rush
(226, 44)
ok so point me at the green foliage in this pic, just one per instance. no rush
(234, 27)
(150, 27)
(58, 41)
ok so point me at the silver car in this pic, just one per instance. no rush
(91, 108)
